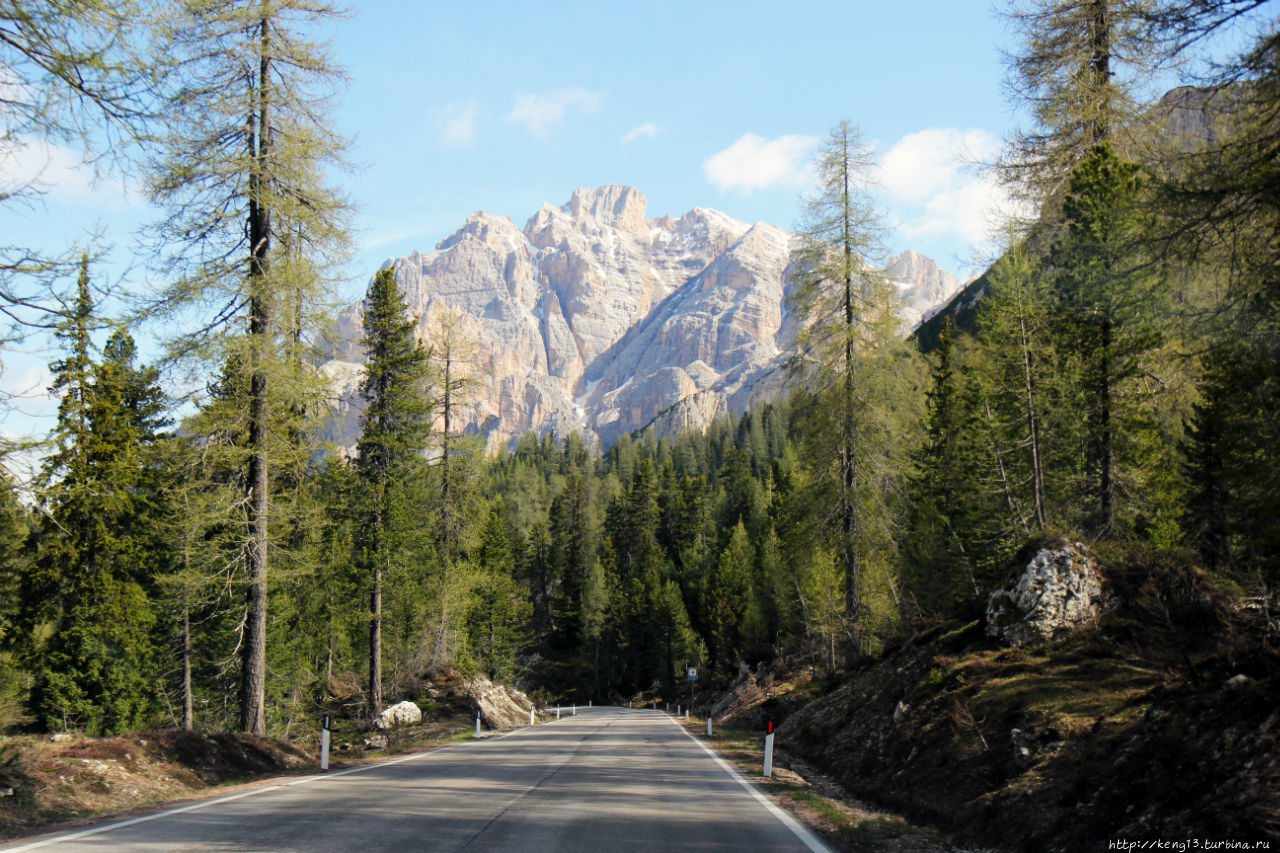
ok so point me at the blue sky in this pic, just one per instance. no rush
(503, 106)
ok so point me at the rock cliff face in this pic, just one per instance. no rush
(593, 318)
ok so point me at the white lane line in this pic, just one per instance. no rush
(791, 823)
(96, 830)
(206, 803)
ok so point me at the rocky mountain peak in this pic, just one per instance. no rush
(922, 285)
(611, 206)
(592, 318)
(490, 230)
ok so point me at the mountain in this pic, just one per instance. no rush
(594, 318)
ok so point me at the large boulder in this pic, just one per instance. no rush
(499, 706)
(1059, 590)
(405, 713)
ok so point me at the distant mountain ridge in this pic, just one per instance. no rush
(596, 319)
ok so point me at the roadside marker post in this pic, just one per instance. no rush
(477, 724)
(531, 716)
(768, 752)
(677, 709)
(324, 744)
(557, 712)
(574, 711)
(708, 725)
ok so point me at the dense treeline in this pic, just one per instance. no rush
(1121, 384)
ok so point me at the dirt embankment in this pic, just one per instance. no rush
(1160, 722)
(50, 779)
(63, 777)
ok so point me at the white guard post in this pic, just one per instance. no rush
(768, 752)
(477, 724)
(324, 743)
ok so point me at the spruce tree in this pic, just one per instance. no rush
(395, 428)
(97, 557)
(1106, 299)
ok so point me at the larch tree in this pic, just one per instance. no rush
(1075, 70)
(846, 313)
(242, 171)
(74, 73)
(1219, 214)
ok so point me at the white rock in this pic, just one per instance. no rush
(402, 714)
(1059, 590)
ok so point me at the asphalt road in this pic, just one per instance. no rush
(609, 779)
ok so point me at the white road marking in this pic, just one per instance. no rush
(791, 823)
(206, 803)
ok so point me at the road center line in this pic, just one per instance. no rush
(788, 821)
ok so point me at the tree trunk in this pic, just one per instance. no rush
(188, 707)
(848, 472)
(375, 643)
(254, 647)
(1098, 126)
(1106, 460)
(1033, 429)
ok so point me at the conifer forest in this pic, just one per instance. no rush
(210, 559)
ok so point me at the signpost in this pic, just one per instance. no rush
(693, 676)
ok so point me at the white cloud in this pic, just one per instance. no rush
(25, 388)
(59, 174)
(540, 113)
(457, 124)
(936, 189)
(754, 163)
(641, 130)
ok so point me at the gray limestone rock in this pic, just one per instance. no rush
(499, 706)
(401, 714)
(1059, 591)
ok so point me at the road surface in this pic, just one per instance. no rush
(609, 779)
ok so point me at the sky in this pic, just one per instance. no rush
(504, 106)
